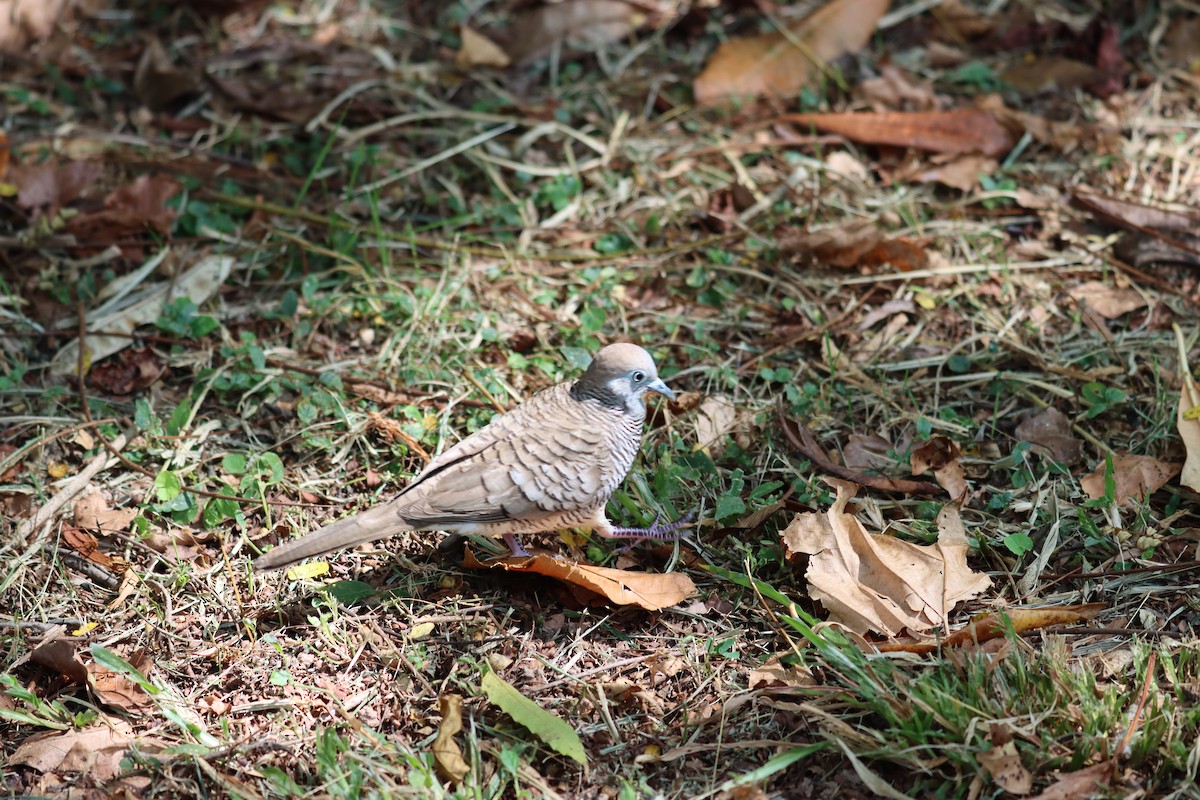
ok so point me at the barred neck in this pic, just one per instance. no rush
(606, 398)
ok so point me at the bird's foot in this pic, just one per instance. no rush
(514, 544)
(657, 530)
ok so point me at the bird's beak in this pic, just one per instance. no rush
(657, 385)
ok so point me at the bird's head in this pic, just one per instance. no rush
(619, 376)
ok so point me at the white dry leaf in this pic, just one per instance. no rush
(1106, 300)
(199, 284)
(715, 418)
(872, 582)
(25, 21)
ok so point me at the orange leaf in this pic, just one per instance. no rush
(648, 590)
(780, 64)
(992, 626)
(962, 130)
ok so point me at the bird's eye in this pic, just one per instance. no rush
(638, 377)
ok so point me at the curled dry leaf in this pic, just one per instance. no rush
(623, 587)
(962, 130)
(715, 418)
(870, 453)
(774, 674)
(995, 626)
(479, 51)
(1082, 784)
(1135, 477)
(447, 756)
(586, 23)
(780, 64)
(1003, 763)
(872, 582)
(941, 456)
(93, 514)
(961, 172)
(1050, 432)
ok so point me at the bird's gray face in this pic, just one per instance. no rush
(631, 387)
(620, 376)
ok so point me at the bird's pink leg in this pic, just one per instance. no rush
(657, 530)
(514, 544)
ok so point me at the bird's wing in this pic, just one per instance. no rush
(544, 458)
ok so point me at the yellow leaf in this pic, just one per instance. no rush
(85, 629)
(57, 470)
(312, 569)
(421, 631)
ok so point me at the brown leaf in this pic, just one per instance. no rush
(623, 587)
(1003, 763)
(774, 673)
(1136, 477)
(1050, 431)
(801, 440)
(1051, 73)
(868, 453)
(1108, 301)
(88, 546)
(157, 82)
(941, 455)
(963, 172)
(117, 691)
(93, 514)
(1187, 422)
(872, 582)
(96, 752)
(897, 90)
(127, 372)
(49, 187)
(1181, 44)
(447, 757)
(1082, 784)
(477, 50)
(780, 64)
(842, 246)
(61, 655)
(962, 130)
(129, 210)
(587, 23)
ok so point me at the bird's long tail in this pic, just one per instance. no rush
(375, 523)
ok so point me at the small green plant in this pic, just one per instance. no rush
(1100, 398)
(39, 713)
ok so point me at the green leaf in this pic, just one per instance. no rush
(1018, 543)
(551, 729)
(179, 418)
(114, 663)
(350, 592)
(729, 505)
(269, 467)
(167, 486)
(234, 463)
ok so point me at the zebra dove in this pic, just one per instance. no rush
(550, 463)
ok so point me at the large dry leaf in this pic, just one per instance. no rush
(1187, 421)
(96, 752)
(1135, 477)
(962, 172)
(780, 64)
(92, 513)
(586, 23)
(649, 590)
(715, 418)
(1106, 300)
(961, 130)
(872, 582)
(447, 756)
(1050, 432)
(1082, 784)
(121, 316)
(23, 21)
